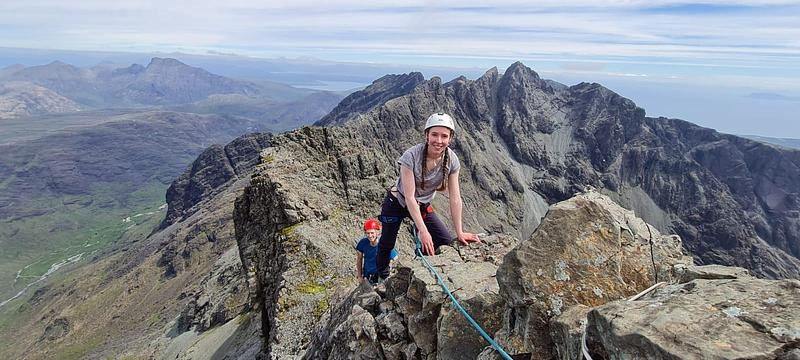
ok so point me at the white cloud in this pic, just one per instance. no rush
(714, 35)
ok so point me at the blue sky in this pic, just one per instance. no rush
(662, 54)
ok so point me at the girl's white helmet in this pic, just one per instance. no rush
(440, 119)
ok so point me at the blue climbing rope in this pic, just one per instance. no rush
(486, 336)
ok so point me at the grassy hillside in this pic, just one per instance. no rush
(34, 127)
(119, 303)
(68, 193)
(24, 320)
(78, 225)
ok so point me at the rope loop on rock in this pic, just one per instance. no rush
(463, 312)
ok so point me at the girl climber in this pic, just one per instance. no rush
(424, 169)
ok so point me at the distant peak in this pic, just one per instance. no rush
(588, 87)
(55, 67)
(518, 68)
(520, 76)
(156, 61)
(490, 76)
(414, 77)
(133, 69)
(58, 64)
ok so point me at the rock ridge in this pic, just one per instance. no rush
(214, 167)
(377, 93)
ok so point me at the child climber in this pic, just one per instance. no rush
(366, 267)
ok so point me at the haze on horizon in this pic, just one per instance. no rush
(732, 66)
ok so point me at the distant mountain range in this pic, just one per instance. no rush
(59, 87)
(303, 72)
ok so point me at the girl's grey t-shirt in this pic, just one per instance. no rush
(412, 158)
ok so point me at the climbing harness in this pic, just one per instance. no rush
(463, 312)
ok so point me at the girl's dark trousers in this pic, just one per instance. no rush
(392, 215)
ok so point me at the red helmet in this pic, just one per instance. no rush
(372, 224)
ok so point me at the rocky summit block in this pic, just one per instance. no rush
(588, 250)
(743, 318)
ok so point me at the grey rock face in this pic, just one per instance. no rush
(213, 168)
(587, 250)
(220, 296)
(709, 272)
(203, 287)
(566, 331)
(351, 331)
(56, 330)
(456, 338)
(262, 230)
(742, 318)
